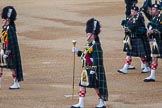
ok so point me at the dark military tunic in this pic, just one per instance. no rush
(12, 50)
(97, 80)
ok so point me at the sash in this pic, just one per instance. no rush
(85, 55)
(88, 60)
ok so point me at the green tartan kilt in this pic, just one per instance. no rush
(160, 50)
(138, 48)
(93, 83)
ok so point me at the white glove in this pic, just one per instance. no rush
(2, 52)
(74, 50)
(5, 56)
(92, 72)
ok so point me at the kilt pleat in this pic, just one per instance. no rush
(138, 48)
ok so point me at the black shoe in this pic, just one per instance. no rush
(149, 80)
(132, 68)
(101, 107)
(75, 107)
(144, 72)
(13, 88)
(121, 72)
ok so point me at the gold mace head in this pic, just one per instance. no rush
(74, 42)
